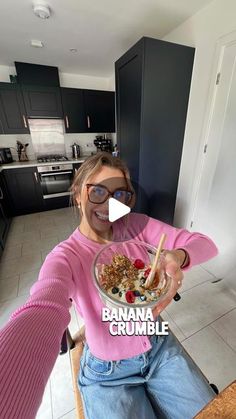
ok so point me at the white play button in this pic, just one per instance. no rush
(116, 209)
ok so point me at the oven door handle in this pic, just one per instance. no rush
(56, 173)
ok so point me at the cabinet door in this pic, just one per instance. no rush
(12, 110)
(129, 88)
(3, 226)
(24, 190)
(100, 110)
(152, 85)
(42, 101)
(73, 109)
(5, 216)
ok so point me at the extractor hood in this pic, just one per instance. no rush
(38, 75)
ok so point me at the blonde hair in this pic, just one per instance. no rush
(92, 165)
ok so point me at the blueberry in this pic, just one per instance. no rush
(143, 297)
(115, 290)
(120, 294)
(136, 293)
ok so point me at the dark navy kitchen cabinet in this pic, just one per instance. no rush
(99, 110)
(5, 216)
(42, 101)
(24, 190)
(12, 110)
(88, 110)
(152, 89)
(73, 109)
(83, 110)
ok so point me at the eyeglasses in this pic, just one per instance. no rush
(98, 194)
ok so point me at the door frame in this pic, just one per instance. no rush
(222, 43)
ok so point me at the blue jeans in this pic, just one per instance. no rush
(161, 383)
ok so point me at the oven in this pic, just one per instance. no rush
(55, 180)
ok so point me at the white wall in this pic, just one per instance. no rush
(5, 71)
(84, 82)
(67, 79)
(112, 82)
(201, 31)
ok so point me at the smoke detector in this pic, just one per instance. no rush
(41, 9)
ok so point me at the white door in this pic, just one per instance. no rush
(215, 210)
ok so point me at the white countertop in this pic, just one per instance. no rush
(33, 163)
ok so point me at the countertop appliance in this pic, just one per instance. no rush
(75, 151)
(103, 144)
(5, 155)
(55, 180)
(51, 158)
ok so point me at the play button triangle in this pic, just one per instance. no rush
(117, 209)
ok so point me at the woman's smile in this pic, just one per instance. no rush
(102, 216)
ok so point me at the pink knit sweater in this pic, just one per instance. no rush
(30, 341)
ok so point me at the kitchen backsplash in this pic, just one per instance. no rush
(85, 141)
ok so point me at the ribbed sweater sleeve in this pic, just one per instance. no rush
(200, 247)
(30, 341)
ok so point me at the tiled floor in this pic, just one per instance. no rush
(204, 319)
(30, 239)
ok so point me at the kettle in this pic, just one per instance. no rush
(75, 151)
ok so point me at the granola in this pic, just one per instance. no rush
(124, 280)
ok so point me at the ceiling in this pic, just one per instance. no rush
(101, 30)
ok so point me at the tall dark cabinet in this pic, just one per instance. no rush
(152, 90)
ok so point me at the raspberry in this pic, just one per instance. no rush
(130, 297)
(147, 272)
(139, 264)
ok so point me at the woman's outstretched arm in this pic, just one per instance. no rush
(199, 247)
(30, 341)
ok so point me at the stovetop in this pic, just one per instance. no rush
(51, 158)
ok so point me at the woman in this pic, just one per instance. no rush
(120, 376)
